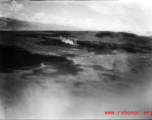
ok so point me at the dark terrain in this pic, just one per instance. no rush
(42, 76)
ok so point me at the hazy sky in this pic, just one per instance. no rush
(121, 15)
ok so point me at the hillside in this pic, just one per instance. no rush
(14, 24)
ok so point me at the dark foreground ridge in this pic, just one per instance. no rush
(16, 58)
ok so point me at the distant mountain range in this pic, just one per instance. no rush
(14, 24)
(10, 24)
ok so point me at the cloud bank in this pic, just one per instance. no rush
(87, 15)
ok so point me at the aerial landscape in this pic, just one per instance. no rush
(76, 79)
(53, 71)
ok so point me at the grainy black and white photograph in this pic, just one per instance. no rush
(73, 59)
